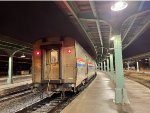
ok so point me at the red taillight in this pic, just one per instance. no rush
(37, 52)
(69, 51)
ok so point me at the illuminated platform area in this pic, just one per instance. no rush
(99, 96)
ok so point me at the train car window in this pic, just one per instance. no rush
(54, 56)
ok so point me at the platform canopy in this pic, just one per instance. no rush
(100, 23)
(9, 45)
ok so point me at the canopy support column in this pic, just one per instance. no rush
(10, 70)
(111, 67)
(104, 66)
(137, 66)
(107, 64)
(120, 91)
(101, 66)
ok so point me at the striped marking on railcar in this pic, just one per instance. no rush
(80, 62)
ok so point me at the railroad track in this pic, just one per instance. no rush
(53, 103)
(141, 81)
(47, 105)
(138, 77)
(15, 95)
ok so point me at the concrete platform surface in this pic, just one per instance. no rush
(19, 83)
(9, 86)
(98, 98)
(16, 79)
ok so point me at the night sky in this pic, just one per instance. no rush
(139, 46)
(30, 21)
(142, 43)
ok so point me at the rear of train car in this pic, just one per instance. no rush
(61, 64)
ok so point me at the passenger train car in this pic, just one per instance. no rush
(61, 63)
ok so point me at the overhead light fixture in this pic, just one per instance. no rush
(22, 56)
(120, 5)
(112, 38)
(111, 48)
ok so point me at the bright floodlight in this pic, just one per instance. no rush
(120, 5)
(22, 56)
(112, 38)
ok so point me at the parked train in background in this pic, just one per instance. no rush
(61, 64)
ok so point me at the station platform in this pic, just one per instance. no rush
(20, 82)
(16, 79)
(98, 98)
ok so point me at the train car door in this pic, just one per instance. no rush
(52, 59)
(54, 64)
